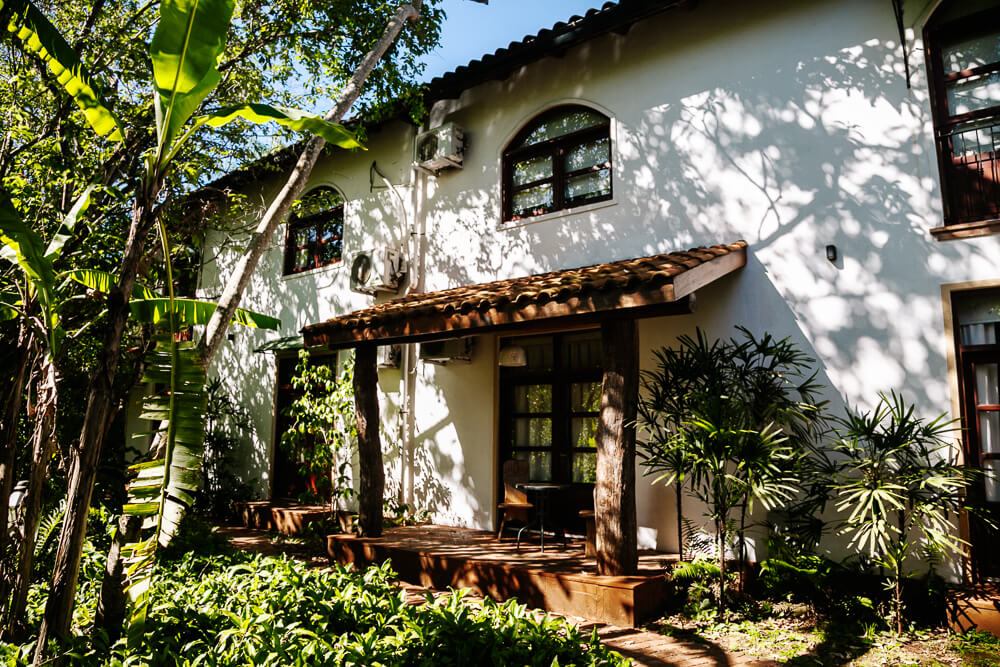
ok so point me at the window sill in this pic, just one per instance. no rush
(967, 230)
(576, 210)
(318, 271)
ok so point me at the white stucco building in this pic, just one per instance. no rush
(642, 128)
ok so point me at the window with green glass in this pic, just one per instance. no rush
(560, 160)
(550, 406)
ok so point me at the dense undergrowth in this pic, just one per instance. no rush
(213, 606)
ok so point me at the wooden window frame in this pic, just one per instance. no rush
(960, 218)
(556, 149)
(561, 414)
(320, 222)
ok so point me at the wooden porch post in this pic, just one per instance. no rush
(372, 474)
(614, 494)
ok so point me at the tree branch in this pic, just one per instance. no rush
(215, 332)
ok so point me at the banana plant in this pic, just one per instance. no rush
(37, 300)
(186, 46)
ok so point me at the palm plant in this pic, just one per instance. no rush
(731, 418)
(900, 487)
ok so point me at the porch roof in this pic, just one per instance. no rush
(633, 288)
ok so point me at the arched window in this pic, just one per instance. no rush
(560, 160)
(315, 235)
(964, 63)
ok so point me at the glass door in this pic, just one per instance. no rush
(977, 314)
(982, 423)
(548, 415)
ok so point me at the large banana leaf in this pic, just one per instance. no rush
(25, 244)
(188, 312)
(104, 282)
(25, 247)
(38, 36)
(190, 37)
(65, 231)
(294, 118)
(163, 490)
(148, 306)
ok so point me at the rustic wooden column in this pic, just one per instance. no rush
(614, 495)
(372, 475)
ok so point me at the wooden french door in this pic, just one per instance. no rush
(548, 416)
(981, 417)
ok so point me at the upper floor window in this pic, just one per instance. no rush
(315, 235)
(964, 59)
(560, 160)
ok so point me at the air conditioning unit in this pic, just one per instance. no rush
(374, 272)
(389, 356)
(440, 148)
(447, 351)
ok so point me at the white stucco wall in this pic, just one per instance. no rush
(787, 124)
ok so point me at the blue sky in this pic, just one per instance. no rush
(473, 29)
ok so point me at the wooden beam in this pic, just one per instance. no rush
(372, 474)
(426, 327)
(614, 493)
(707, 272)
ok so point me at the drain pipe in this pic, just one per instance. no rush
(407, 362)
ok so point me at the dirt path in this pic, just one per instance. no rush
(645, 648)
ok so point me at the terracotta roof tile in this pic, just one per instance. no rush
(601, 281)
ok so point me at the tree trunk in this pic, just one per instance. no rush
(43, 447)
(218, 326)
(12, 397)
(372, 477)
(614, 495)
(679, 489)
(720, 531)
(86, 455)
(743, 547)
(215, 332)
(112, 604)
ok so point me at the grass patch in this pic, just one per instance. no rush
(793, 638)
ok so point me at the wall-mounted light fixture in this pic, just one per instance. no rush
(831, 253)
(512, 356)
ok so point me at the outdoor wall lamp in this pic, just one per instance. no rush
(831, 253)
(513, 356)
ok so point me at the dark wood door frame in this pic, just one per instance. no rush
(984, 540)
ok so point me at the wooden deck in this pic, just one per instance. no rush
(561, 581)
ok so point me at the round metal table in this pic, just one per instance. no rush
(541, 490)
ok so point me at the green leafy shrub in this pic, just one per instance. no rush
(235, 609)
(324, 431)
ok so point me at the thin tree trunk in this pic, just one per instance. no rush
(720, 530)
(111, 588)
(112, 604)
(372, 482)
(13, 396)
(680, 519)
(43, 447)
(614, 494)
(215, 332)
(743, 547)
(85, 457)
